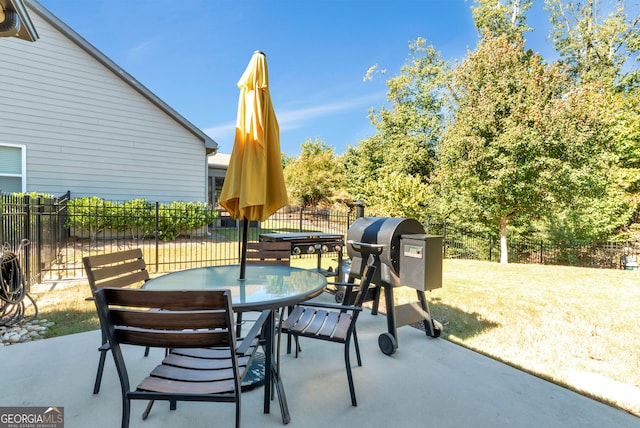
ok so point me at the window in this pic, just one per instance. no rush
(12, 169)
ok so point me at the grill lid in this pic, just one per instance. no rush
(385, 231)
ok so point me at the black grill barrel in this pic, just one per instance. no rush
(366, 253)
(385, 231)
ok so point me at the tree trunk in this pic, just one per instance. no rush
(504, 254)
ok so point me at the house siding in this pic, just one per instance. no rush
(87, 130)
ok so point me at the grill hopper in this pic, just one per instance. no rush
(381, 239)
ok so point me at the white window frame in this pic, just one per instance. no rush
(23, 174)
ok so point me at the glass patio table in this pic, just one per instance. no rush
(264, 287)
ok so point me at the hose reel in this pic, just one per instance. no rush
(13, 289)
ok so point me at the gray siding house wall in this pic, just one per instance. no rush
(73, 120)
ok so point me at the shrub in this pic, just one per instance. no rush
(93, 215)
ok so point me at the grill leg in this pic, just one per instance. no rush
(376, 299)
(391, 311)
(432, 327)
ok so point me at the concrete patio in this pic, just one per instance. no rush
(427, 382)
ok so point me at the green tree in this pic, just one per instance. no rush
(314, 177)
(495, 18)
(400, 157)
(626, 135)
(596, 42)
(399, 195)
(361, 165)
(520, 142)
(592, 216)
(410, 130)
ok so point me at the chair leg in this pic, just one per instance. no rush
(146, 412)
(297, 343)
(103, 357)
(146, 351)
(238, 407)
(126, 412)
(355, 342)
(239, 324)
(347, 362)
(279, 333)
(298, 348)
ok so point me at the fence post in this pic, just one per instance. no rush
(300, 220)
(541, 248)
(156, 234)
(25, 235)
(444, 239)
(359, 208)
(38, 249)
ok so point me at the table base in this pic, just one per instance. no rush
(255, 375)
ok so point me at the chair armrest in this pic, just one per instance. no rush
(246, 343)
(344, 284)
(331, 306)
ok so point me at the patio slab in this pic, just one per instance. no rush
(427, 382)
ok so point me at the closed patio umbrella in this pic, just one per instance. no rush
(254, 186)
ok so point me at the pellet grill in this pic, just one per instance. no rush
(404, 256)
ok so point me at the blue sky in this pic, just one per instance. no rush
(191, 53)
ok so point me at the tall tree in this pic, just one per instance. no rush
(402, 151)
(520, 141)
(495, 18)
(411, 128)
(314, 177)
(597, 41)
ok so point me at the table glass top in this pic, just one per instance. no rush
(263, 284)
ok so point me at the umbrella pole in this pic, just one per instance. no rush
(243, 250)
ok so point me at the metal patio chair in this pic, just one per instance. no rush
(205, 362)
(269, 253)
(265, 253)
(119, 269)
(331, 322)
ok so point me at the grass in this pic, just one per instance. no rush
(564, 324)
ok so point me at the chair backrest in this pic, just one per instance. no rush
(187, 319)
(269, 253)
(119, 269)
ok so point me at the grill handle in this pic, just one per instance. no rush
(367, 248)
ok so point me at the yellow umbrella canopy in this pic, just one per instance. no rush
(254, 184)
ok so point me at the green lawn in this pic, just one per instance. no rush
(564, 324)
(561, 323)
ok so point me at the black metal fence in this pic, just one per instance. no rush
(463, 244)
(59, 239)
(33, 227)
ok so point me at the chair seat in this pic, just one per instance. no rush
(176, 360)
(180, 386)
(312, 322)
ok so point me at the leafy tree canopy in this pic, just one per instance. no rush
(315, 177)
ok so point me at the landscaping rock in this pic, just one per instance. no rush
(25, 331)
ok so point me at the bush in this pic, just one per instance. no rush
(94, 215)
